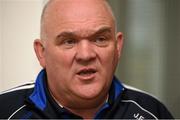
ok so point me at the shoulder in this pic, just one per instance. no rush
(14, 99)
(145, 102)
(139, 95)
(17, 92)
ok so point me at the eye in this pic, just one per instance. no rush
(101, 41)
(69, 43)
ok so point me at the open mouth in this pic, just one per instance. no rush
(86, 72)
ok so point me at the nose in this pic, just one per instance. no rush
(85, 52)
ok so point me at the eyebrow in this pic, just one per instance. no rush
(103, 30)
(73, 34)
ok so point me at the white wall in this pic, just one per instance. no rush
(19, 26)
(0, 43)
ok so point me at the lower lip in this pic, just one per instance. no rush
(87, 77)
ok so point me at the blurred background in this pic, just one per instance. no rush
(151, 53)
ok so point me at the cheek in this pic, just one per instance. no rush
(57, 57)
(110, 58)
(59, 67)
(107, 61)
(58, 64)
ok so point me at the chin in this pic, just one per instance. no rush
(90, 92)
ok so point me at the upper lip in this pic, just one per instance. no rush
(86, 70)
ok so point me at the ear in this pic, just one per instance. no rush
(39, 50)
(120, 39)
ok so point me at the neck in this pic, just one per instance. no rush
(85, 113)
(87, 109)
(89, 112)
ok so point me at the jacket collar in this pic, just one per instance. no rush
(38, 97)
(40, 94)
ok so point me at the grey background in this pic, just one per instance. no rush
(151, 53)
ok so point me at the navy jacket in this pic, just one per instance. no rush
(34, 101)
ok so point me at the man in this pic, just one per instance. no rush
(79, 51)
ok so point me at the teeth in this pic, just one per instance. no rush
(86, 72)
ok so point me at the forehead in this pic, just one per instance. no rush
(76, 7)
(76, 15)
(83, 28)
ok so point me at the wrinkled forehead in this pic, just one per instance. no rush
(59, 12)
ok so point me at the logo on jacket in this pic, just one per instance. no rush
(137, 116)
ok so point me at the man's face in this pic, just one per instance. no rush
(80, 52)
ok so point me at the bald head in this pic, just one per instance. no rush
(63, 10)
